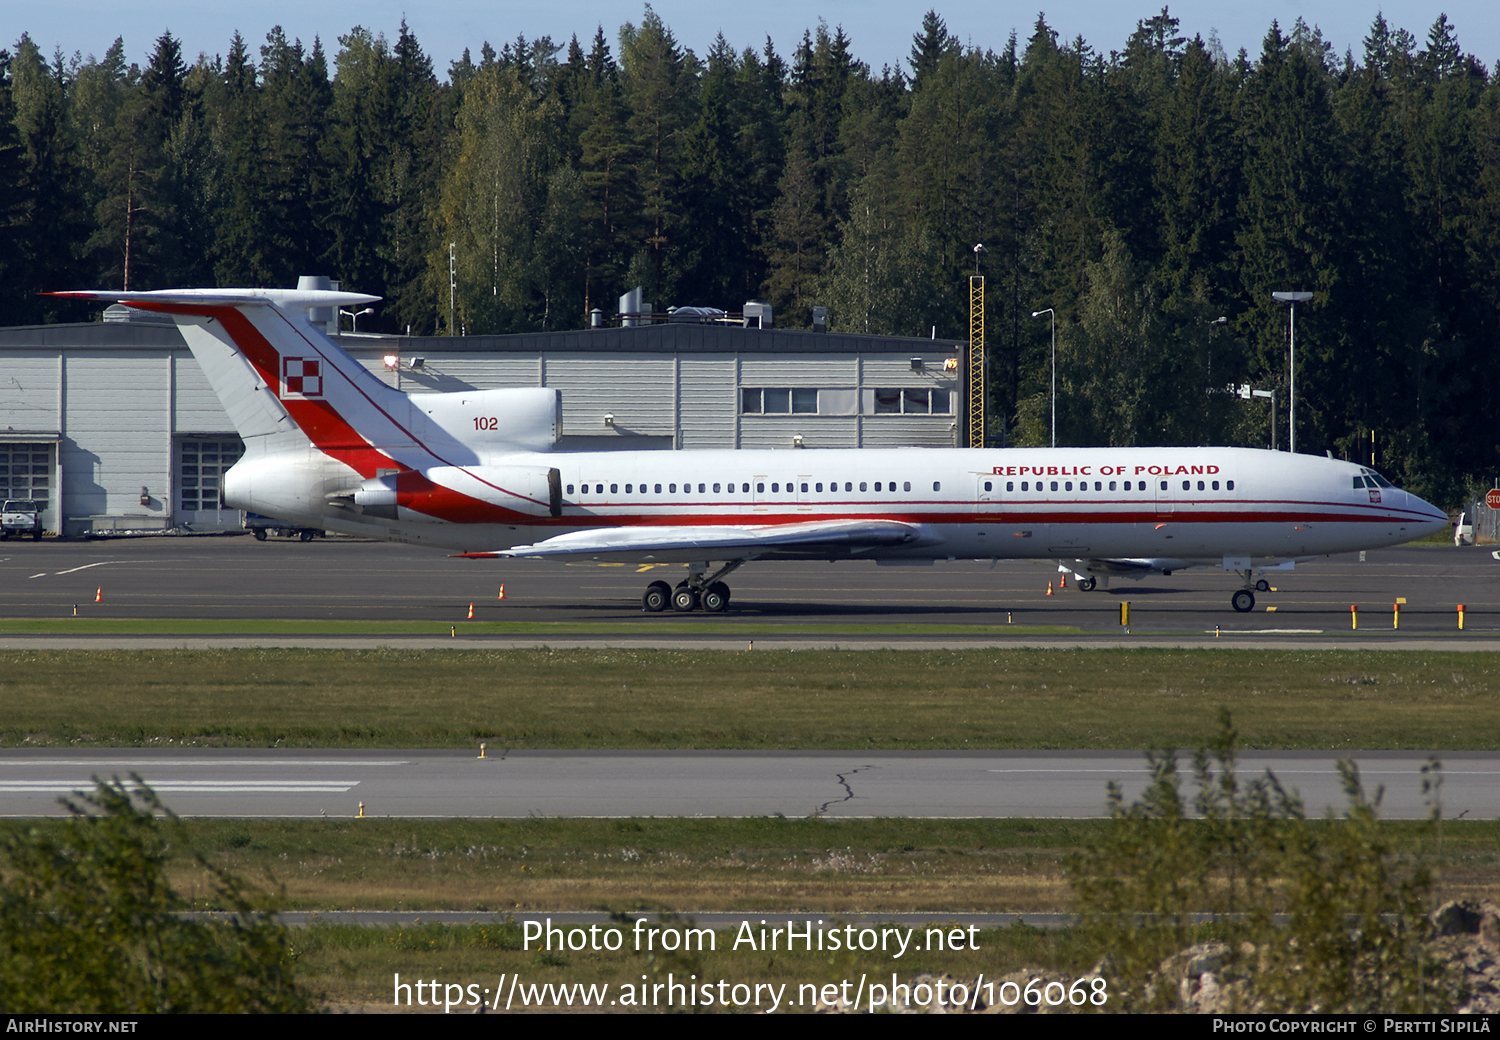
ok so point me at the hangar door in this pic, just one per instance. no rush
(201, 464)
(26, 472)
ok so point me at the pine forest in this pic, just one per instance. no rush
(1152, 197)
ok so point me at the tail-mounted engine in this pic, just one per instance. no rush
(491, 494)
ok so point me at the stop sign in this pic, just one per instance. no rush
(1493, 498)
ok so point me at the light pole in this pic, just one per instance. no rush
(1247, 392)
(354, 316)
(1053, 316)
(1220, 320)
(1292, 298)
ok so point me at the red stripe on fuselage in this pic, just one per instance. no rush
(323, 425)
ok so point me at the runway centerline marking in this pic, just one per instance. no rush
(85, 567)
(193, 786)
(156, 763)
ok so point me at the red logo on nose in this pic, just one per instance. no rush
(301, 377)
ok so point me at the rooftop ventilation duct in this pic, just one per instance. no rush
(758, 315)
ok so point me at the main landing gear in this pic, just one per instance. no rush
(696, 592)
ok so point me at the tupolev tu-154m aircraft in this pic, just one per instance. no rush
(328, 444)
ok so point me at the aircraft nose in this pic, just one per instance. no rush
(1432, 519)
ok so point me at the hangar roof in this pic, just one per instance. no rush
(666, 338)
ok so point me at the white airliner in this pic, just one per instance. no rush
(328, 444)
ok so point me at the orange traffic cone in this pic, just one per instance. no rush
(471, 612)
(99, 595)
(1049, 588)
(502, 592)
(1062, 579)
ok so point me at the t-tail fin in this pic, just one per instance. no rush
(288, 386)
(280, 378)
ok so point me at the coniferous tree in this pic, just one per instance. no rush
(49, 201)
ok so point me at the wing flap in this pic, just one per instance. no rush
(730, 542)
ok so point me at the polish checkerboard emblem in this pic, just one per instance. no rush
(302, 377)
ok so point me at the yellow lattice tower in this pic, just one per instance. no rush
(976, 360)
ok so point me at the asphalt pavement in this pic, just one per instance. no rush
(831, 784)
(237, 578)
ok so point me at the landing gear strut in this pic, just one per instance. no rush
(695, 592)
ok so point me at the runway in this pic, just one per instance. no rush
(237, 578)
(834, 785)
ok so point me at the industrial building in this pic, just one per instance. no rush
(112, 425)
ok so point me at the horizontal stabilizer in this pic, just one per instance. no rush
(188, 298)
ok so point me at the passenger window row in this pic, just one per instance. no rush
(1099, 485)
(815, 487)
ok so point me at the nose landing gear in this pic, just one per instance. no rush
(1243, 601)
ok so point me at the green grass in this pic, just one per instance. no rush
(647, 698)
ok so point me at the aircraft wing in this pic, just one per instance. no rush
(723, 542)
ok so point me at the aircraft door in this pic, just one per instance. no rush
(760, 493)
(1166, 497)
(805, 493)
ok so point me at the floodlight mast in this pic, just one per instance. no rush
(1292, 299)
(1053, 316)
